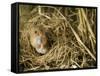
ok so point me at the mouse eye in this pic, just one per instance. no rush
(35, 31)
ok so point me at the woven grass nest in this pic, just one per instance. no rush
(71, 36)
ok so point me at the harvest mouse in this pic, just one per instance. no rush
(38, 40)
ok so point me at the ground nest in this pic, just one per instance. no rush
(71, 36)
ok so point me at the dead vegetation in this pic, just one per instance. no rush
(71, 34)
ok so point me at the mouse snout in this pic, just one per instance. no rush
(40, 45)
(38, 40)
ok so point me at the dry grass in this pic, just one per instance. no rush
(71, 35)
